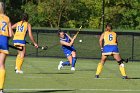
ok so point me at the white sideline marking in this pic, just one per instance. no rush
(127, 90)
(119, 90)
(34, 89)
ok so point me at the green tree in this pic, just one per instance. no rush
(47, 12)
(123, 13)
(13, 9)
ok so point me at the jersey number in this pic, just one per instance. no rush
(3, 26)
(20, 28)
(110, 37)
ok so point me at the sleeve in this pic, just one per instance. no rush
(61, 39)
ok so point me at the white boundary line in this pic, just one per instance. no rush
(119, 90)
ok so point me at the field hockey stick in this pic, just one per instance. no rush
(41, 47)
(11, 46)
(78, 32)
(129, 58)
(49, 48)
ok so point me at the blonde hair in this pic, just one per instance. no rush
(1, 8)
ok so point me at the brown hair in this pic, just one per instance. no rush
(108, 25)
(59, 31)
(24, 18)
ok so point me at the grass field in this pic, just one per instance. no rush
(41, 76)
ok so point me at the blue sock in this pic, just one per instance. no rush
(73, 61)
(67, 63)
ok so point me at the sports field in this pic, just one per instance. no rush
(41, 76)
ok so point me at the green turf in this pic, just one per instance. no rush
(41, 76)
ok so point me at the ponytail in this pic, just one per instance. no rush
(24, 18)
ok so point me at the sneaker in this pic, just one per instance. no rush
(19, 71)
(1, 91)
(96, 76)
(72, 68)
(124, 77)
(60, 65)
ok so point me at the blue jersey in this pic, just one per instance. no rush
(67, 49)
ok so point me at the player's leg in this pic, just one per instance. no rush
(121, 65)
(66, 63)
(20, 60)
(69, 62)
(73, 60)
(100, 65)
(17, 60)
(2, 70)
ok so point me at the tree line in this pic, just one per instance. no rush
(122, 14)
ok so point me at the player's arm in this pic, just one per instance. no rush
(101, 41)
(11, 33)
(31, 36)
(66, 43)
(117, 39)
(14, 26)
(69, 36)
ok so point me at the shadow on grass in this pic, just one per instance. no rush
(52, 73)
(86, 70)
(45, 91)
(133, 77)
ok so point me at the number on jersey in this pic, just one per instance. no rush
(4, 24)
(20, 28)
(110, 37)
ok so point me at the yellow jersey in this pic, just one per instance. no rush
(21, 30)
(110, 38)
(4, 21)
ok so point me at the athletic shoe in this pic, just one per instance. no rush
(60, 65)
(1, 91)
(19, 71)
(72, 68)
(96, 76)
(124, 77)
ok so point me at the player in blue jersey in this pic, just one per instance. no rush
(67, 46)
